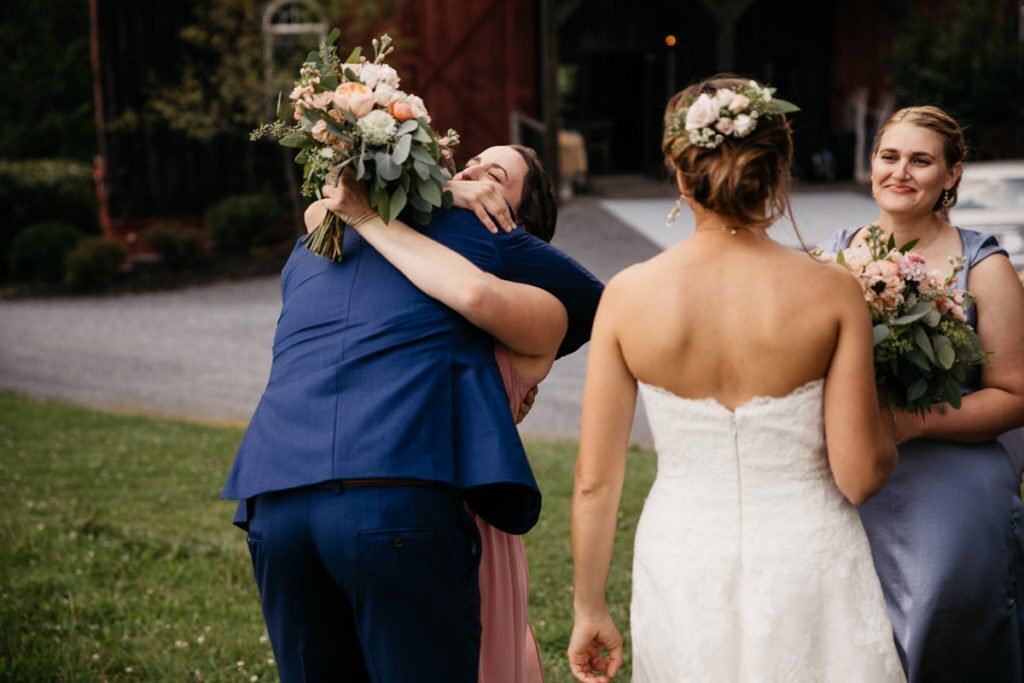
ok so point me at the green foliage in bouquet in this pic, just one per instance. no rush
(352, 115)
(923, 345)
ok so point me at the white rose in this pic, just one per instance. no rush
(724, 97)
(387, 74)
(724, 126)
(701, 113)
(419, 110)
(742, 125)
(739, 103)
(385, 94)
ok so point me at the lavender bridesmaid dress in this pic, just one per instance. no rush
(946, 537)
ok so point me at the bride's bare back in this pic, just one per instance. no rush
(731, 317)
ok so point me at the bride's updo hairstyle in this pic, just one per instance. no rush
(954, 146)
(745, 179)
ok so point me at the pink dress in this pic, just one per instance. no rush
(508, 650)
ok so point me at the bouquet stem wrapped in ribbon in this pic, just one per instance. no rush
(923, 345)
(352, 115)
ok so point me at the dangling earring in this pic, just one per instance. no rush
(674, 213)
(947, 199)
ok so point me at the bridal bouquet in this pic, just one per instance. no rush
(923, 345)
(352, 114)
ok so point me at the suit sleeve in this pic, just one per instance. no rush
(532, 261)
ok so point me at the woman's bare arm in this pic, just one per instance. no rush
(861, 450)
(526, 319)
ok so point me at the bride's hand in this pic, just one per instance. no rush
(589, 637)
(484, 200)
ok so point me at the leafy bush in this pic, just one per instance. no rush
(37, 252)
(93, 262)
(239, 223)
(44, 190)
(179, 246)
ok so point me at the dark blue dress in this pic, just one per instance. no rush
(945, 533)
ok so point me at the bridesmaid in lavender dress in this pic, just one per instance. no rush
(946, 530)
(528, 325)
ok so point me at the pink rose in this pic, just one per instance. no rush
(319, 132)
(320, 100)
(724, 126)
(739, 103)
(701, 113)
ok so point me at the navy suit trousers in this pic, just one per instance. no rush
(368, 583)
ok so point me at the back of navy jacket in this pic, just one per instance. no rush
(372, 378)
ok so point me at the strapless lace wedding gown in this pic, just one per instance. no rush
(749, 563)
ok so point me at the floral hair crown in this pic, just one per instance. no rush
(732, 112)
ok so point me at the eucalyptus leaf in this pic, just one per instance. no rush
(447, 199)
(402, 149)
(430, 191)
(944, 351)
(386, 166)
(419, 203)
(360, 167)
(295, 140)
(420, 154)
(918, 358)
(384, 210)
(420, 217)
(879, 334)
(932, 318)
(420, 135)
(422, 170)
(917, 389)
(407, 127)
(924, 343)
(398, 199)
(951, 392)
(914, 314)
(329, 82)
(350, 75)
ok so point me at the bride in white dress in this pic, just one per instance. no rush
(754, 363)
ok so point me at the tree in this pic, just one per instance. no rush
(966, 58)
(48, 110)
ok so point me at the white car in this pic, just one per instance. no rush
(991, 199)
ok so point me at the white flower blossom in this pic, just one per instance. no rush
(378, 127)
(742, 125)
(701, 113)
(419, 110)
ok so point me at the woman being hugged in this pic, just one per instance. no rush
(750, 560)
(946, 530)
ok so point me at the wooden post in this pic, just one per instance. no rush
(99, 173)
(549, 87)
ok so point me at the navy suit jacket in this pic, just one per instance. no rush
(372, 378)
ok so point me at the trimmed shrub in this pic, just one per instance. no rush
(179, 246)
(37, 252)
(93, 262)
(40, 190)
(239, 223)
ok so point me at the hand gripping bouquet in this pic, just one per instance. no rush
(352, 114)
(923, 345)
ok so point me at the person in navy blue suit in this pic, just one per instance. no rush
(384, 416)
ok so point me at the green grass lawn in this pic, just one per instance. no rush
(118, 561)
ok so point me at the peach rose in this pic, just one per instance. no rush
(354, 97)
(297, 114)
(319, 132)
(400, 110)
